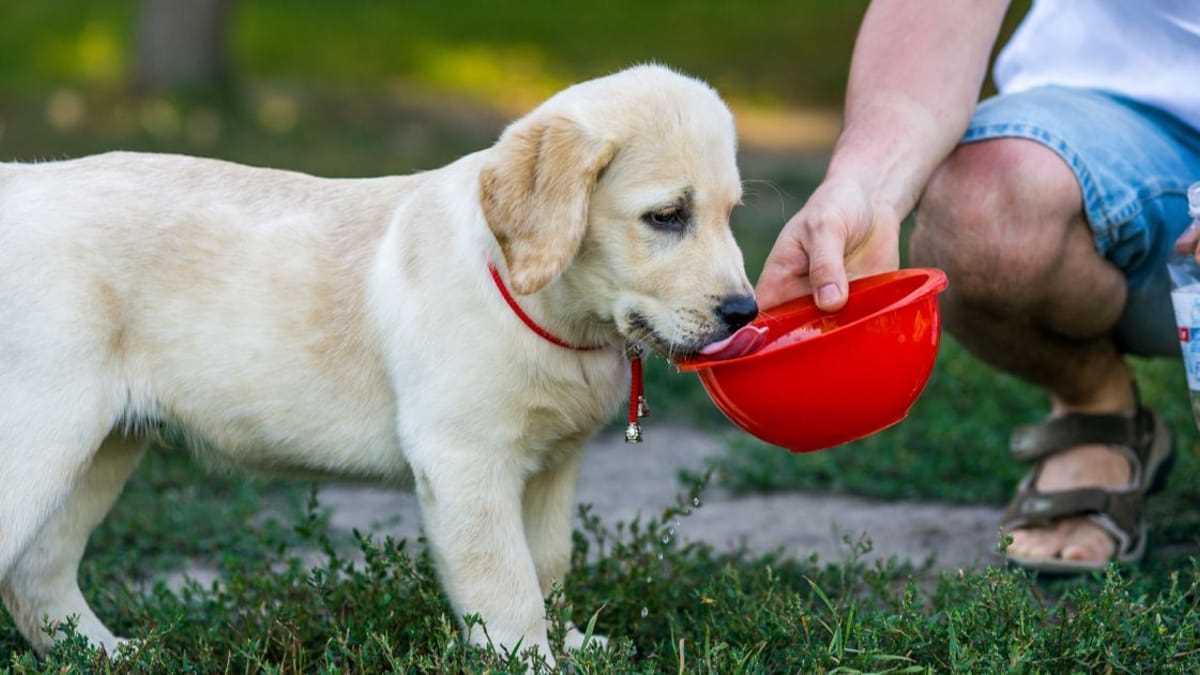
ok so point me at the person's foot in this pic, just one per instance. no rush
(1075, 538)
(1078, 538)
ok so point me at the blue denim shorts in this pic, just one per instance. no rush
(1134, 164)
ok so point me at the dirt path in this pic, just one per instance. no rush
(621, 480)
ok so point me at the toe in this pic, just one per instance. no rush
(1044, 548)
(1041, 543)
(1088, 542)
(1019, 546)
(1026, 541)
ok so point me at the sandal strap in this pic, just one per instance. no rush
(1033, 508)
(1035, 442)
(1118, 511)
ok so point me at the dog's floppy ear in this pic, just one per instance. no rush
(535, 194)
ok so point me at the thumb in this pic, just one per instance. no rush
(827, 269)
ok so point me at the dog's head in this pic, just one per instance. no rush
(628, 181)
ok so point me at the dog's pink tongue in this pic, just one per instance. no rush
(745, 340)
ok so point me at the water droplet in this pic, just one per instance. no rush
(666, 540)
(649, 580)
(660, 556)
(645, 612)
(696, 502)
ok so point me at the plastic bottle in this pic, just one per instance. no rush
(1185, 296)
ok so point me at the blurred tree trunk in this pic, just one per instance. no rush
(181, 44)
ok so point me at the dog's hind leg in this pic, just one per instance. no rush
(43, 583)
(53, 419)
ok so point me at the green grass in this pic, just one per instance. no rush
(175, 512)
(666, 608)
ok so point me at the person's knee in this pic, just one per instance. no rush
(994, 216)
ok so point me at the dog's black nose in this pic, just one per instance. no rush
(737, 310)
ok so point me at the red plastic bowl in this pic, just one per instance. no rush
(820, 380)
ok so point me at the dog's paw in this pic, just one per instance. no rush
(122, 648)
(575, 638)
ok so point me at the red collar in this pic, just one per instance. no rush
(528, 320)
(637, 400)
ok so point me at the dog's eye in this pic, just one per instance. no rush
(669, 220)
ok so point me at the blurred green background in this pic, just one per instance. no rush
(119, 71)
(492, 49)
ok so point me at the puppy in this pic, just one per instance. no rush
(352, 328)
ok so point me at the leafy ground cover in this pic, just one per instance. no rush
(664, 607)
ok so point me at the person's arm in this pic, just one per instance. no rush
(915, 77)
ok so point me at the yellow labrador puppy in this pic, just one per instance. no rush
(352, 328)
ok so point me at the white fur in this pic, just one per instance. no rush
(345, 328)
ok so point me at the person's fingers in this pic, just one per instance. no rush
(826, 250)
(1189, 242)
(784, 274)
(1186, 243)
(777, 286)
(808, 258)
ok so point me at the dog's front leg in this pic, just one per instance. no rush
(549, 502)
(471, 503)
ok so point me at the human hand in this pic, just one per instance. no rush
(1189, 242)
(840, 233)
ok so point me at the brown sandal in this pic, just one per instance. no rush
(1146, 444)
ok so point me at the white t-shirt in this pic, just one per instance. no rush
(1146, 50)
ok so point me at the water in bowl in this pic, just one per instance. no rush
(807, 331)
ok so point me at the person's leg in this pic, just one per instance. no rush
(1030, 295)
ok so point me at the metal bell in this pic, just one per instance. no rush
(643, 410)
(633, 433)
